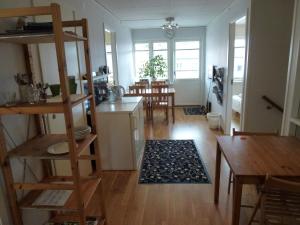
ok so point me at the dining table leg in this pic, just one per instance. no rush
(237, 197)
(173, 107)
(217, 174)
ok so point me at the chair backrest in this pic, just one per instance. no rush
(280, 202)
(159, 93)
(142, 83)
(241, 133)
(161, 82)
(137, 89)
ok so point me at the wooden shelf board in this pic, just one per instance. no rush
(92, 210)
(35, 38)
(84, 144)
(295, 121)
(53, 105)
(37, 147)
(73, 218)
(88, 188)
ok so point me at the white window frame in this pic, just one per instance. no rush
(151, 51)
(174, 58)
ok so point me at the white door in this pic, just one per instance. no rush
(187, 82)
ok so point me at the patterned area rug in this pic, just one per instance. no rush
(172, 161)
(201, 110)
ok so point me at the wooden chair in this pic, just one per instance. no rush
(142, 83)
(159, 99)
(161, 82)
(243, 133)
(141, 90)
(279, 203)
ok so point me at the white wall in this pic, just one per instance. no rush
(269, 44)
(217, 43)
(269, 39)
(97, 16)
(11, 63)
(183, 33)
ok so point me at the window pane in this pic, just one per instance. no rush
(141, 46)
(239, 43)
(187, 74)
(160, 46)
(164, 54)
(187, 64)
(187, 59)
(108, 48)
(238, 68)
(140, 59)
(187, 45)
(239, 52)
(187, 54)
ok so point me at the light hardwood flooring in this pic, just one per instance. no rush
(129, 203)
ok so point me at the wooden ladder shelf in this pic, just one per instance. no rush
(86, 199)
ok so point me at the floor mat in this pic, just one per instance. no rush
(200, 110)
(172, 161)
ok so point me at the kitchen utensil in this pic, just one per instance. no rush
(55, 89)
(116, 92)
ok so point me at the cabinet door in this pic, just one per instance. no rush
(138, 132)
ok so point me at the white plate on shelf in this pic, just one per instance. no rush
(59, 148)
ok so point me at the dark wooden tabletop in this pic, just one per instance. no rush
(261, 155)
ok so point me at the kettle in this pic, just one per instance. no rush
(115, 92)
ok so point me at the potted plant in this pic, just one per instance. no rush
(155, 67)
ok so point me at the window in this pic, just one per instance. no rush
(109, 63)
(161, 48)
(239, 60)
(147, 50)
(187, 59)
(141, 56)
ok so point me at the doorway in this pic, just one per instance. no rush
(187, 82)
(236, 74)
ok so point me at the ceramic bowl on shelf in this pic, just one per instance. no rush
(58, 148)
(81, 132)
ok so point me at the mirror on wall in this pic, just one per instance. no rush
(111, 54)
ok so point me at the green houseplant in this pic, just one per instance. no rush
(155, 67)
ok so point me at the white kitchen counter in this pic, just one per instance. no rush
(125, 105)
(120, 127)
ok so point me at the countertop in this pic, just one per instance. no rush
(125, 105)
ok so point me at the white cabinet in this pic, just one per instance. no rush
(120, 129)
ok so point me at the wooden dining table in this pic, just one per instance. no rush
(170, 92)
(251, 158)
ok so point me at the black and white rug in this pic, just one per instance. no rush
(199, 110)
(172, 161)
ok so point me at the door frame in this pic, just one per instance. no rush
(229, 83)
(114, 52)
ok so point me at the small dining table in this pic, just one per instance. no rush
(251, 158)
(170, 92)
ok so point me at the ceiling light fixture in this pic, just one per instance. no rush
(170, 27)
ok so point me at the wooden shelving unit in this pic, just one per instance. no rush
(86, 199)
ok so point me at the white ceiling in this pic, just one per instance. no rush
(152, 13)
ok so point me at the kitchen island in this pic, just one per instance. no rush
(120, 129)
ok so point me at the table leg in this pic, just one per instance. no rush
(173, 107)
(237, 197)
(217, 174)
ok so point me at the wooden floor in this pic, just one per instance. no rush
(129, 203)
